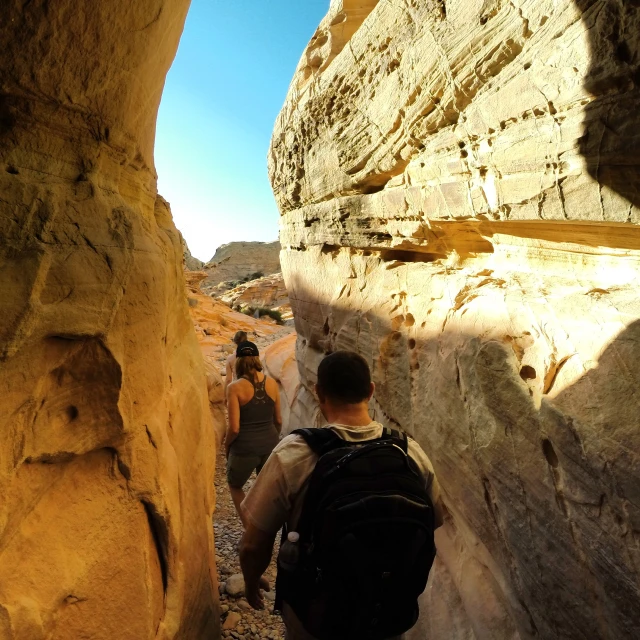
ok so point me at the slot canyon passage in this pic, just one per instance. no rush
(458, 184)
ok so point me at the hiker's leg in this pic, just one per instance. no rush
(237, 495)
(239, 469)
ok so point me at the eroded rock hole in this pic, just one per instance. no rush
(77, 400)
(330, 248)
(623, 53)
(372, 188)
(397, 255)
(550, 453)
(528, 373)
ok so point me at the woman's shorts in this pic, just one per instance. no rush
(239, 468)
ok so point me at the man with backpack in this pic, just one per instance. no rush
(358, 505)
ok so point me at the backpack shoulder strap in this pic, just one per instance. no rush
(399, 438)
(321, 441)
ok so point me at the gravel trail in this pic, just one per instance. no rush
(246, 624)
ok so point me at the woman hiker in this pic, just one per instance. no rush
(254, 422)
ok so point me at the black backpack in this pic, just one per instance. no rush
(366, 540)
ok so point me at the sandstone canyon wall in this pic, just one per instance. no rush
(280, 363)
(458, 183)
(190, 263)
(107, 449)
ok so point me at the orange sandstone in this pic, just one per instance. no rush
(107, 452)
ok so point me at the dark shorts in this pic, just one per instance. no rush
(240, 467)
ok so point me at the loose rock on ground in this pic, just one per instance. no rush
(238, 619)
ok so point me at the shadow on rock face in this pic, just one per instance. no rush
(591, 448)
(611, 140)
(544, 527)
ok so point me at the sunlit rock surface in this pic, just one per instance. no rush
(190, 263)
(458, 183)
(241, 261)
(107, 448)
(280, 363)
(268, 292)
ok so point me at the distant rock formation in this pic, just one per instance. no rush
(268, 293)
(107, 450)
(459, 189)
(238, 262)
(215, 322)
(190, 263)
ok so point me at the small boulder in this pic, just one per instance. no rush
(232, 620)
(235, 585)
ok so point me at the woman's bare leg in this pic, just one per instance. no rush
(237, 495)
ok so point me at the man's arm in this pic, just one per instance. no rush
(266, 508)
(256, 549)
(233, 419)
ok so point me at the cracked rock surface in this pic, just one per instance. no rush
(458, 183)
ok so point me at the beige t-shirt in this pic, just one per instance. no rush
(278, 493)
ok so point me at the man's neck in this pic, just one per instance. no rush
(349, 415)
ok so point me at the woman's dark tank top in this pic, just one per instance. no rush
(258, 434)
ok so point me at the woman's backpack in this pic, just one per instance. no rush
(366, 540)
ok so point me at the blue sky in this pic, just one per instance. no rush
(223, 93)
